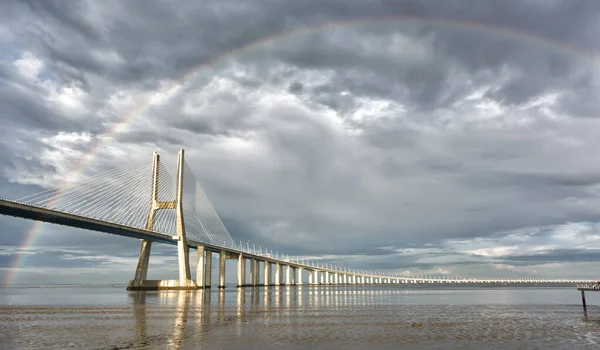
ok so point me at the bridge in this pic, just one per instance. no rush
(162, 202)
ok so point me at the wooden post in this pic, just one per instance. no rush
(583, 300)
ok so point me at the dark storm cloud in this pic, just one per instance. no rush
(72, 17)
(336, 141)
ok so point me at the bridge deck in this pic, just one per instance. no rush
(27, 211)
(591, 287)
(33, 212)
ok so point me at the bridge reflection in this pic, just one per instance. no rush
(195, 313)
(259, 316)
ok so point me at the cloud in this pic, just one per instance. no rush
(446, 131)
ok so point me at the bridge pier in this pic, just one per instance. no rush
(288, 278)
(281, 281)
(207, 269)
(141, 272)
(277, 274)
(256, 272)
(267, 274)
(252, 273)
(241, 271)
(200, 266)
(222, 260)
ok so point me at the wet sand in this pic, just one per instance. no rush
(305, 318)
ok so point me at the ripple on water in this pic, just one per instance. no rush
(261, 321)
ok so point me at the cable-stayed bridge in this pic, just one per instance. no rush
(162, 202)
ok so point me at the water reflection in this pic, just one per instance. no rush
(291, 315)
(305, 317)
(195, 312)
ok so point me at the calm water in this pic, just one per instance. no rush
(386, 317)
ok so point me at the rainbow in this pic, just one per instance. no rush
(190, 74)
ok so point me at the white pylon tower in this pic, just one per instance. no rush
(140, 281)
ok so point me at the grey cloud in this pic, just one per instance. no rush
(555, 256)
(292, 138)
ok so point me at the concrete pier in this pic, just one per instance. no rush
(288, 273)
(267, 274)
(207, 269)
(222, 260)
(200, 267)
(256, 272)
(241, 271)
(252, 272)
(281, 281)
(277, 274)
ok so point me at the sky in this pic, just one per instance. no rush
(421, 137)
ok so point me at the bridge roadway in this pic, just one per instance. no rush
(317, 274)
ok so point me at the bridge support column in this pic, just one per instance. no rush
(267, 273)
(327, 277)
(310, 277)
(241, 271)
(252, 272)
(281, 281)
(299, 276)
(200, 267)
(207, 269)
(270, 275)
(277, 274)
(294, 276)
(222, 260)
(141, 272)
(288, 279)
(256, 272)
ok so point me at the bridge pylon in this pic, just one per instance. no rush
(140, 281)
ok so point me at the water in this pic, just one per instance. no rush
(386, 317)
